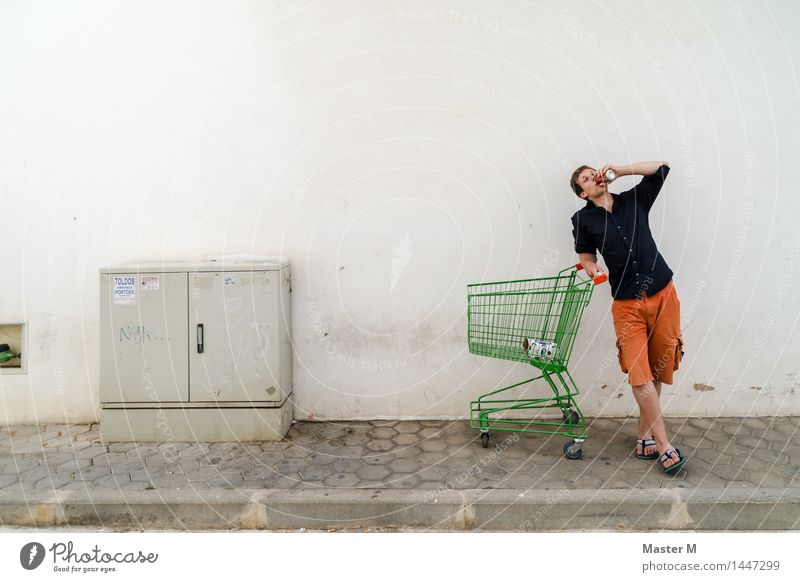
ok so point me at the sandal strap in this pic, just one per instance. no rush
(666, 456)
(646, 443)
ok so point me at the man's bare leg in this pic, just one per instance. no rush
(650, 410)
(644, 433)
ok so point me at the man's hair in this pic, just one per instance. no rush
(573, 181)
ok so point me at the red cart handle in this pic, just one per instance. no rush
(599, 278)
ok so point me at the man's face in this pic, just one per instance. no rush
(591, 189)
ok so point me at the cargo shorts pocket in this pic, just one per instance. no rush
(678, 352)
(619, 357)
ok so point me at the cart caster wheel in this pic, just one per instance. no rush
(572, 418)
(573, 450)
(485, 440)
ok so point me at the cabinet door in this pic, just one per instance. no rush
(233, 327)
(144, 338)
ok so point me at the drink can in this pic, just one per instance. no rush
(609, 176)
(539, 349)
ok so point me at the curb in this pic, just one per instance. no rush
(716, 509)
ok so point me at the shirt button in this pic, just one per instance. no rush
(617, 228)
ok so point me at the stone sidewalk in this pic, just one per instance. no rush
(422, 462)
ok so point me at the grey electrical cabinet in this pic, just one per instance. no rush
(197, 351)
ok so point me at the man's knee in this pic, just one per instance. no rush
(648, 384)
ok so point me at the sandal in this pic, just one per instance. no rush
(646, 443)
(674, 466)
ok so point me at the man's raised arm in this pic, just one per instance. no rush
(641, 169)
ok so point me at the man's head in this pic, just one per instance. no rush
(583, 184)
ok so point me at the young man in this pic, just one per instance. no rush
(646, 308)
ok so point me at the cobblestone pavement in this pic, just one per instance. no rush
(744, 452)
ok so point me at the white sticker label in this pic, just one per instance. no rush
(124, 290)
(230, 279)
(150, 283)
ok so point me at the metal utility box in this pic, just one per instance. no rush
(197, 351)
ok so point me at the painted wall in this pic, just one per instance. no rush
(396, 152)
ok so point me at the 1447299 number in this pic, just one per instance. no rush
(756, 565)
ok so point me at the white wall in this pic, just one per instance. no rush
(396, 152)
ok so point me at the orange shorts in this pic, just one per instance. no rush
(649, 340)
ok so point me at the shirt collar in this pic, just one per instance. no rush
(590, 204)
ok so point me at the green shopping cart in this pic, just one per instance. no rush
(534, 321)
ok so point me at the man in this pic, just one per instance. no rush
(645, 308)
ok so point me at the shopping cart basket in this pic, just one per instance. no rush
(533, 321)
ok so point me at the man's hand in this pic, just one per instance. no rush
(617, 170)
(589, 262)
(592, 269)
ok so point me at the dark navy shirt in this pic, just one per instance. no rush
(624, 239)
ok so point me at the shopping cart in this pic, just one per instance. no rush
(533, 321)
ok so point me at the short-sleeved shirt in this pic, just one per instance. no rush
(624, 239)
